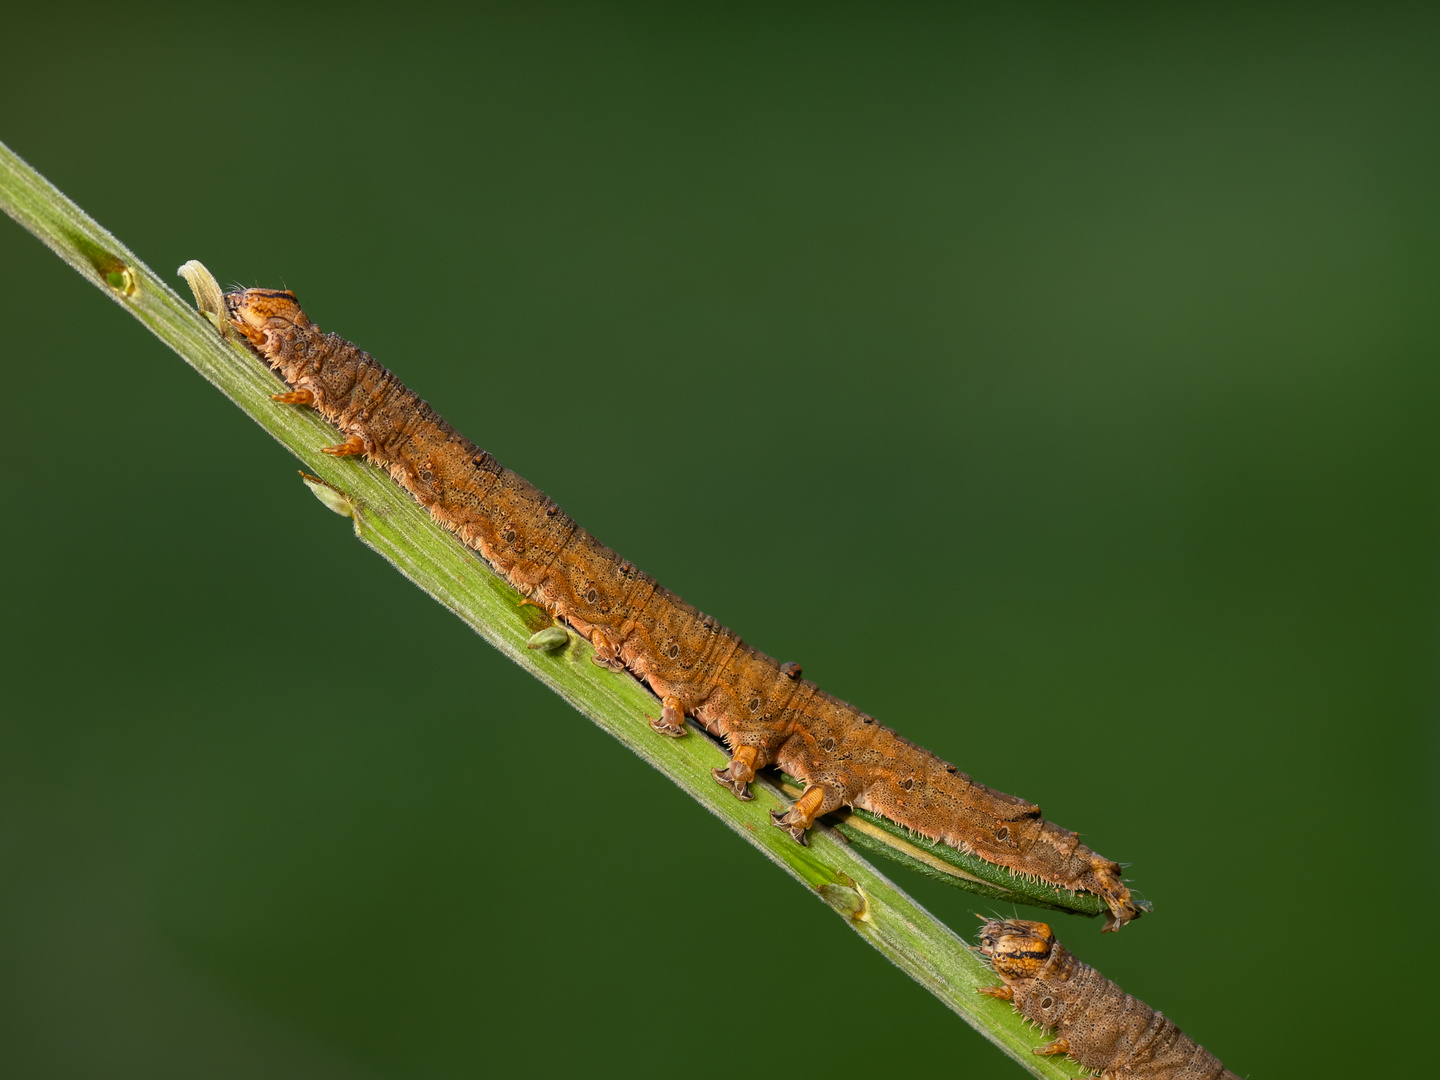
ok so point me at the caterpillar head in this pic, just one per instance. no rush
(1016, 948)
(254, 311)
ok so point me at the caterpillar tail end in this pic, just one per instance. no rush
(1104, 881)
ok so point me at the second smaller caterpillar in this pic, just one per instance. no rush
(1095, 1022)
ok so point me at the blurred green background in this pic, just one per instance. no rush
(1060, 386)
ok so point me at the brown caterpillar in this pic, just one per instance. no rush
(1099, 1025)
(765, 712)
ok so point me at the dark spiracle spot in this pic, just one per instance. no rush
(755, 704)
(674, 651)
(592, 596)
(509, 536)
(1047, 1003)
(909, 783)
(829, 745)
(1002, 833)
(427, 475)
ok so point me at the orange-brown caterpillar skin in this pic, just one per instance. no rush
(766, 714)
(1095, 1022)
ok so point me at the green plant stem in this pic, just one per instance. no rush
(394, 525)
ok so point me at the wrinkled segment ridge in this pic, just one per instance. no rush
(766, 714)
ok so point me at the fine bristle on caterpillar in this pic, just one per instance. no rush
(764, 711)
(1095, 1022)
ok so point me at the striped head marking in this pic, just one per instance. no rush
(1016, 948)
(254, 311)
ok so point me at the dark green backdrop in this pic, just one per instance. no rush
(1061, 387)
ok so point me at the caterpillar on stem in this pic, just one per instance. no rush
(1096, 1023)
(764, 711)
